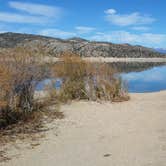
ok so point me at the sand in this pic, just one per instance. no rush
(131, 133)
(112, 59)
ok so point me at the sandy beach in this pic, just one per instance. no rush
(131, 133)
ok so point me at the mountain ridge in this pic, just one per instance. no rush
(56, 46)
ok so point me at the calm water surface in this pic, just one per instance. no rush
(150, 80)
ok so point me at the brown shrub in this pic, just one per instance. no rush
(20, 70)
(85, 80)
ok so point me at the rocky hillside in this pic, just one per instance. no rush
(55, 46)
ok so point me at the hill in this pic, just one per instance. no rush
(161, 50)
(86, 48)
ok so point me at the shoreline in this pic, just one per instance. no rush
(130, 133)
(112, 59)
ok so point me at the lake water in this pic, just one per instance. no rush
(139, 77)
(150, 80)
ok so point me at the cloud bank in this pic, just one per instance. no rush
(147, 39)
(127, 19)
(33, 13)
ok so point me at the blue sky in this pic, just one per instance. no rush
(127, 21)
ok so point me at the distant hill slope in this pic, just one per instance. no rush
(55, 46)
(161, 50)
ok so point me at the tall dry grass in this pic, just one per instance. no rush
(85, 80)
(20, 70)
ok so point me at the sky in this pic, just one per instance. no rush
(137, 22)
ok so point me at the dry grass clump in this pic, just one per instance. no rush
(84, 80)
(20, 71)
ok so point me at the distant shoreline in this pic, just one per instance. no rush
(111, 59)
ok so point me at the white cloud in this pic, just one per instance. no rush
(147, 39)
(79, 30)
(2, 32)
(57, 33)
(18, 18)
(34, 13)
(115, 36)
(141, 28)
(110, 11)
(84, 29)
(127, 19)
(36, 9)
(153, 38)
(53, 32)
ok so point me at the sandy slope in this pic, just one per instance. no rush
(132, 133)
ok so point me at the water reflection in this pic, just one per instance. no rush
(150, 80)
(125, 67)
(140, 77)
